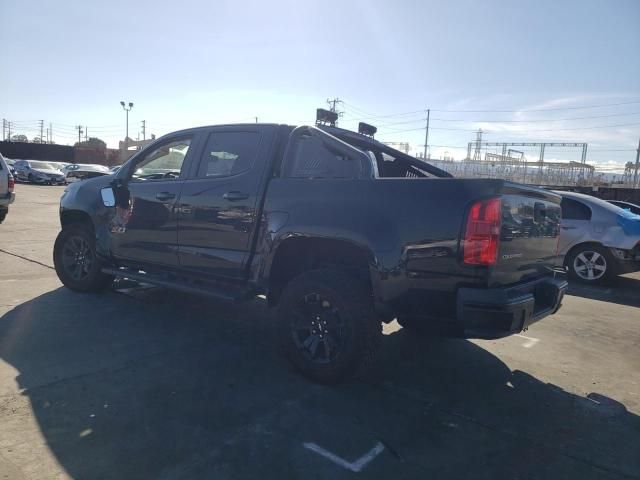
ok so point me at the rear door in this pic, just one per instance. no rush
(576, 220)
(219, 202)
(145, 228)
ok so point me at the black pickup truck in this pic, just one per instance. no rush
(339, 231)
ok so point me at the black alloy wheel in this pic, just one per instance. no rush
(317, 329)
(76, 262)
(327, 325)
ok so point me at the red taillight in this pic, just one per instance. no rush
(12, 183)
(482, 235)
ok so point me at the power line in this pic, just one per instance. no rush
(544, 109)
(523, 131)
(524, 110)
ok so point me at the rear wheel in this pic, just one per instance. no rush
(590, 264)
(327, 325)
(3, 214)
(76, 262)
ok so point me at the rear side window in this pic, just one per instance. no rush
(228, 153)
(312, 159)
(574, 210)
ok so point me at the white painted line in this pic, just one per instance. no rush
(530, 341)
(355, 466)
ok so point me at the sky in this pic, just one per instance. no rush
(523, 71)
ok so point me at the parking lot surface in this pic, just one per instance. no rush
(143, 382)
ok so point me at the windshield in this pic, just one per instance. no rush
(41, 165)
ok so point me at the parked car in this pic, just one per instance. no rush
(81, 171)
(7, 195)
(10, 163)
(338, 230)
(37, 171)
(632, 207)
(599, 240)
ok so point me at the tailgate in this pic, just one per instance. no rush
(529, 234)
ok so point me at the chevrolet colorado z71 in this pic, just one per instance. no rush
(338, 230)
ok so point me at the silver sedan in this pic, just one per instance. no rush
(598, 239)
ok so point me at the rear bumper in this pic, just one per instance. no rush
(499, 312)
(626, 261)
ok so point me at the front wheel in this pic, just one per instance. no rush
(76, 262)
(591, 264)
(327, 325)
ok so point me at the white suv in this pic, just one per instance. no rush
(6, 189)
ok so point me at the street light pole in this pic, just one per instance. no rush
(124, 107)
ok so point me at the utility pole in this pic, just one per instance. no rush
(50, 132)
(4, 125)
(635, 175)
(144, 129)
(9, 128)
(41, 130)
(426, 135)
(256, 119)
(86, 133)
(79, 127)
(332, 105)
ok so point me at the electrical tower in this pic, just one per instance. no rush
(332, 106)
(477, 153)
(144, 129)
(79, 127)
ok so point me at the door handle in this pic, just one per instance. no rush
(163, 196)
(235, 196)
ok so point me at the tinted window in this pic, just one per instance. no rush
(228, 153)
(164, 162)
(312, 159)
(574, 210)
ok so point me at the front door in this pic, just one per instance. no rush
(144, 229)
(218, 206)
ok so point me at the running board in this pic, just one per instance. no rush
(225, 293)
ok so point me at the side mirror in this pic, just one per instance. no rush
(108, 197)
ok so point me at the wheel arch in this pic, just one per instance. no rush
(68, 217)
(297, 254)
(577, 246)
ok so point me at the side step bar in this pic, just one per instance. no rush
(209, 289)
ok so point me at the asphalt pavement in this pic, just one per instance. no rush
(143, 382)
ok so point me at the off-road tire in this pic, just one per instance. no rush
(74, 251)
(351, 304)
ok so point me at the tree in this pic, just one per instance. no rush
(36, 140)
(93, 142)
(19, 138)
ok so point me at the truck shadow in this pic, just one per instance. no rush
(624, 290)
(154, 384)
